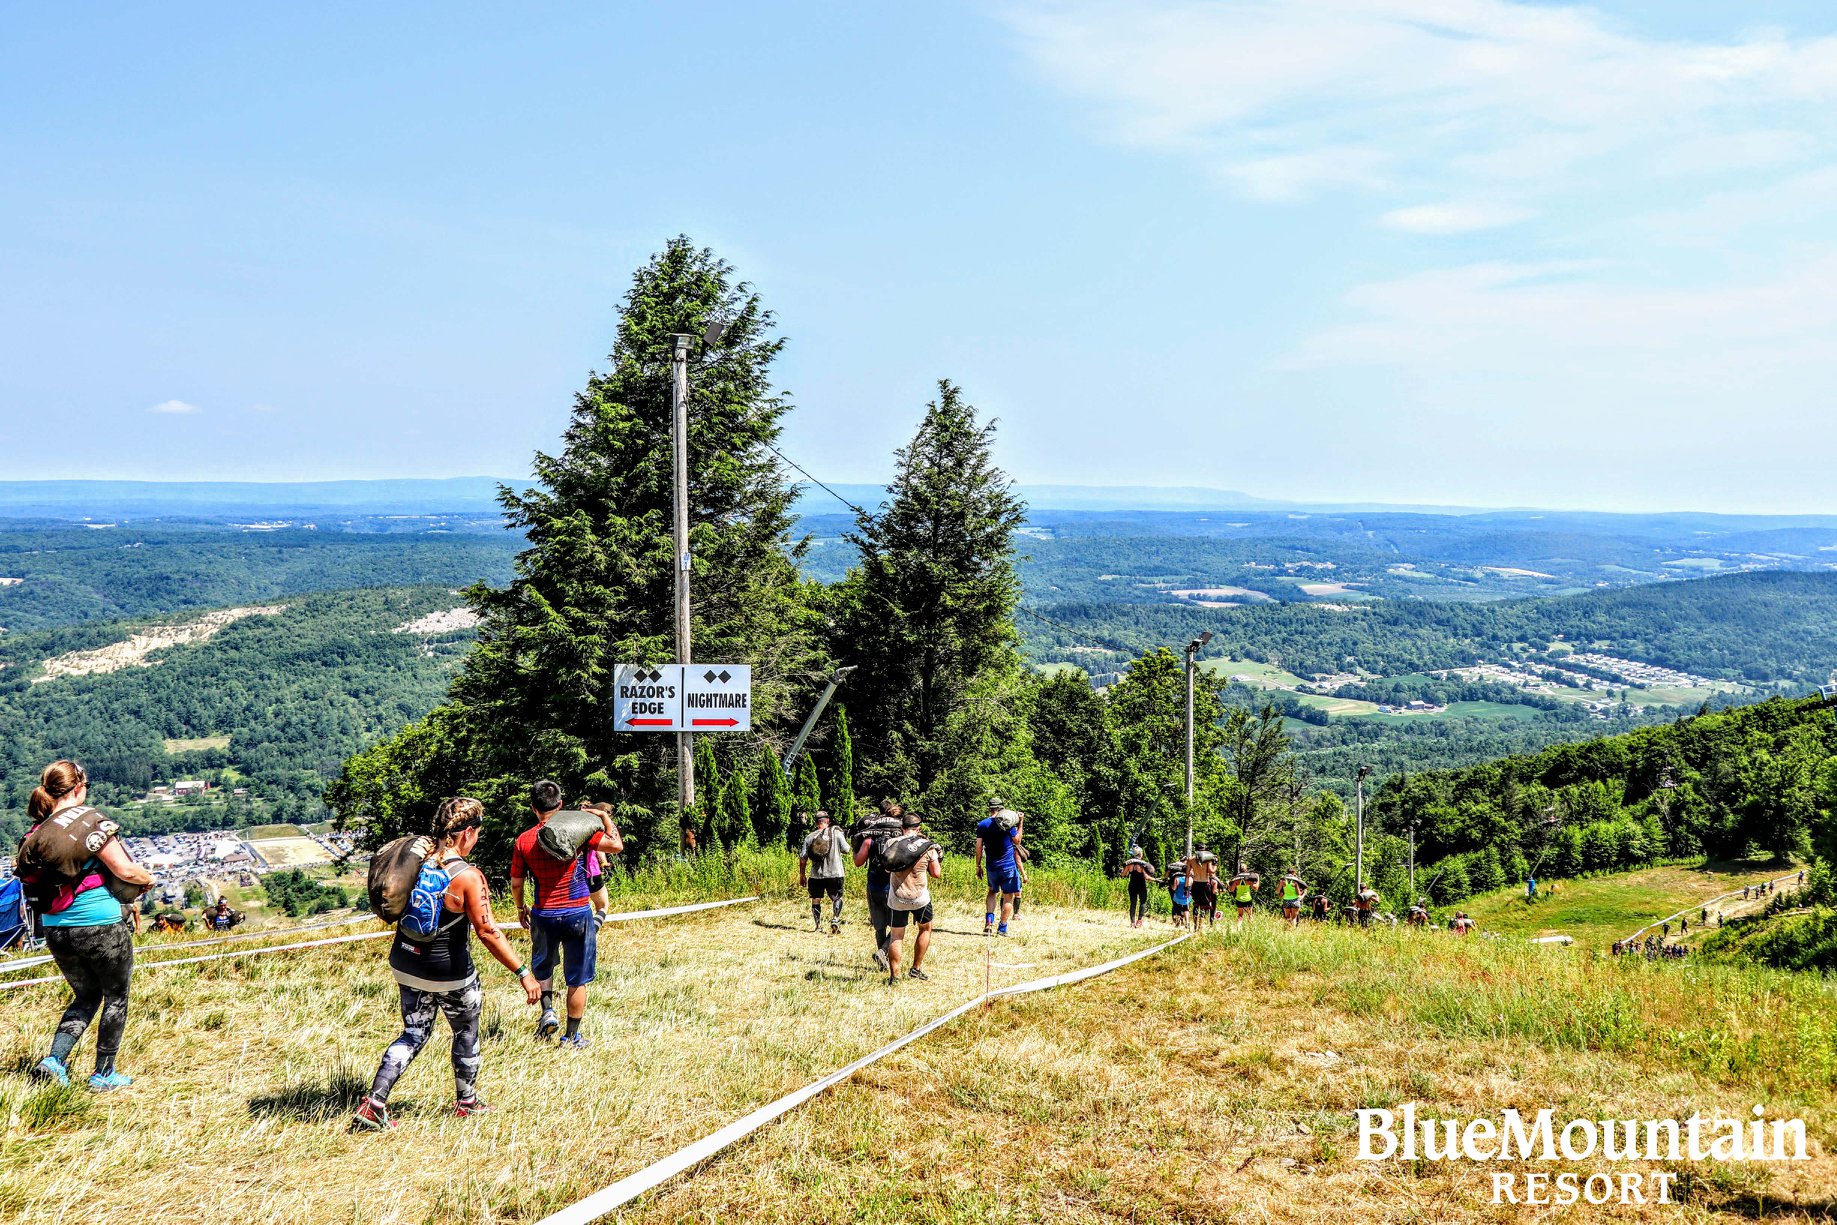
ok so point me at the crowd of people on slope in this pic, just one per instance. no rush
(1193, 885)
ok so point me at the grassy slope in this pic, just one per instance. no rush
(1217, 1083)
(1600, 910)
(250, 1068)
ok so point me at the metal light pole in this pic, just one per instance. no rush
(1192, 649)
(679, 436)
(829, 691)
(1358, 870)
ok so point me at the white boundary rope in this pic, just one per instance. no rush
(630, 1187)
(148, 947)
(389, 931)
(670, 910)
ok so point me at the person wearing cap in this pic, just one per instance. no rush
(821, 867)
(997, 857)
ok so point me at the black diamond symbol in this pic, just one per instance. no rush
(725, 676)
(709, 677)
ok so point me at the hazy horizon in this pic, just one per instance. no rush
(1494, 253)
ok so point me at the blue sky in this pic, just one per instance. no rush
(1461, 251)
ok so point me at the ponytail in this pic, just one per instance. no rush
(59, 780)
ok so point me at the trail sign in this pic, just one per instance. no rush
(683, 698)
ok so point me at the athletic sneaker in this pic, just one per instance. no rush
(108, 1082)
(1002, 930)
(546, 1027)
(880, 959)
(466, 1107)
(51, 1069)
(919, 974)
(835, 929)
(892, 980)
(372, 1117)
(576, 1042)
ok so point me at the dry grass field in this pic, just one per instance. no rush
(1213, 1082)
(248, 1069)
(295, 852)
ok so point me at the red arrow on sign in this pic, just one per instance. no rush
(714, 722)
(647, 722)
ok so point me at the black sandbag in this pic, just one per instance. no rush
(566, 833)
(393, 871)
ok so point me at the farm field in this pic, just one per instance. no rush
(194, 744)
(1600, 910)
(294, 852)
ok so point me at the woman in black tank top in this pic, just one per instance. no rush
(436, 976)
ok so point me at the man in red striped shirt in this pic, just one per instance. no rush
(560, 925)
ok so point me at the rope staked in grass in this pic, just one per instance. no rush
(390, 931)
(670, 910)
(187, 961)
(27, 963)
(605, 1200)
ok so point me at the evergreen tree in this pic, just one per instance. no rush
(707, 825)
(593, 589)
(772, 816)
(805, 799)
(929, 608)
(839, 792)
(736, 811)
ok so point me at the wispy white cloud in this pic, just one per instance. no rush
(263, 408)
(1289, 97)
(1454, 218)
(174, 407)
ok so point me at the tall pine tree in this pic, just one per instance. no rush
(806, 798)
(772, 810)
(929, 608)
(839, 794)
(593, 589)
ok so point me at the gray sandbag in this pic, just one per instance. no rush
(394, 869)
(566, 833)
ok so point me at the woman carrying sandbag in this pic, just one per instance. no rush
(80, 877)
(431, 959)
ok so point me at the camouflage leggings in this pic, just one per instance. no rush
(462, 1008)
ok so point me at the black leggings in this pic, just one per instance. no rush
(1138, 896)
(97, 963)
(462, 1008)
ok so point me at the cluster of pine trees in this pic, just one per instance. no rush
(938, 709)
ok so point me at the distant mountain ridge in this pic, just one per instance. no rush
(79, 499)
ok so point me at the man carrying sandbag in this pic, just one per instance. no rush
(554, 854)
(821, 867)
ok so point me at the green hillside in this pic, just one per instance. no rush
(294, 691)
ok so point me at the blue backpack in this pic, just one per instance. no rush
(422, 920)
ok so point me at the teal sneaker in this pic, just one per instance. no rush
(50, 1069)
(108, 1082)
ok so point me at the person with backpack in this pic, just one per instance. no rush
(913, 861)
(431, 959)
(78, 877)
(1323, 908)
(561, 922)
(821, 867)
(997, 850)
(1138, 872)
(882, 827)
